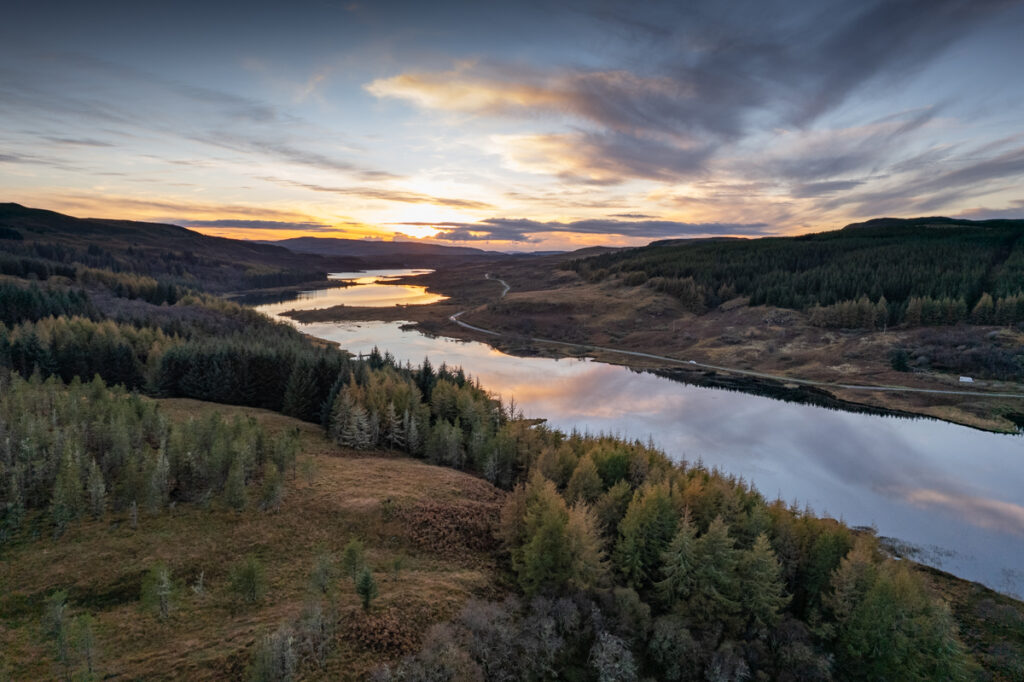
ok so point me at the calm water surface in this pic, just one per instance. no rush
(368, 292)
(955, 493)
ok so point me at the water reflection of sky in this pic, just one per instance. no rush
(926, 482)
(367, 294)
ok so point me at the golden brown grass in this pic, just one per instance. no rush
(102, 563)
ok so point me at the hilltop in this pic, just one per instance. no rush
(157, 250)
(401, 253)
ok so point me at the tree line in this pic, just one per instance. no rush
(911, 272)
(82, 449)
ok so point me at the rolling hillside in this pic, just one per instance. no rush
(155, 250)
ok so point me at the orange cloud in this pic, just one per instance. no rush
(594, 95)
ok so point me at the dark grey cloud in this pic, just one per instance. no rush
(525, 230)
(818, 157)
(385, 194)
(699, 76)
(798, 59)
(928, 191)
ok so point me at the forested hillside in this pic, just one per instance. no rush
(925, 271)
(613, 561)
(147, 256)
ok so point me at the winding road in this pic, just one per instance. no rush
(734, 370)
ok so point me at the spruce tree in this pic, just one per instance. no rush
(15, 511)
(544, 560)
(353, 558)
(366, 588)
(760, 584)
(300, 394)
(66, 503)
(679, 565)
(585, 483)
(272, 490)
(234, 487)
(159, 482)
(714, 597)
(644, 533)
(97, 490)
(588, 568)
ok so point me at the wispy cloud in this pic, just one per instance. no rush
(256, 224)
(707, 75)
(524, 230)
(386, 194)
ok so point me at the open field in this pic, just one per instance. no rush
(430, 549)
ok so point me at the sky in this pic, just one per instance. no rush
(513, 125)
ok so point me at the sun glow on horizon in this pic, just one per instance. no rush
(418, 231)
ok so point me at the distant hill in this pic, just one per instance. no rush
(393, 253)
(934, 221)
(930, 270)
(361, 248)
(157, 250)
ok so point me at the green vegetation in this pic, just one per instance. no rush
(927, 271)
(247, 580)
(619, 563)
(79, 449)
(148, 261)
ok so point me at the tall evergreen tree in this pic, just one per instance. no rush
(97, 490)
(714, 598)
(760, 584)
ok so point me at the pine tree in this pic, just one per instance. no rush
(247, 581)
(353, 558)
(585, 483)
(984, 310)
(84, 639)
(644, 533)
(273, 487)
(15, 512)
(588, 568)
(678, 564)
(159, 482)
(714, 597)
(97, 490)
(234, 487)
(898, 632)
(425, 379)
(66, 503)
(761, 585)
(394, 432)
(413, 437)
(158, 591)
(366, 588)
(544, 560)
(300, 394)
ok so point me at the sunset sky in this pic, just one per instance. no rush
(513, 125)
